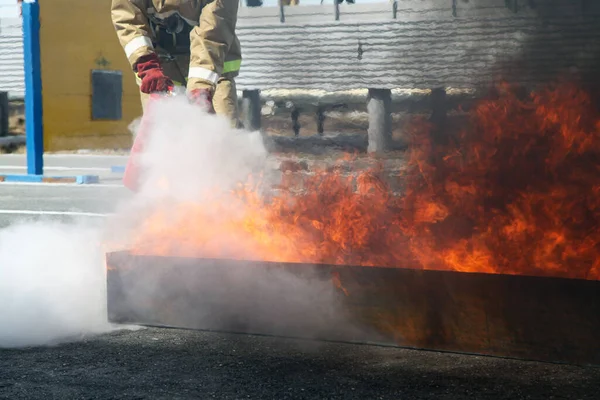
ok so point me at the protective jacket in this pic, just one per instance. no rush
(204, 29)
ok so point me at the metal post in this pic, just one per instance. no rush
(33, 88)
(380, 120)
(4, 113)
(251, 109)
(295, 120)
(336, 6)
(320, 119)
(439, 112)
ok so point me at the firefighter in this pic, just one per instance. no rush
(190, 43)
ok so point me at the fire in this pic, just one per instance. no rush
(515, 192)
(335, 220)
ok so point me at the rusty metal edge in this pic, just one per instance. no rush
(509, 316)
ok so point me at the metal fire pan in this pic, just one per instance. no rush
(524, 317)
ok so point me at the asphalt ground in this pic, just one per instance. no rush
(176, 364)
(153, 363)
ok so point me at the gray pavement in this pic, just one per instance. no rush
(61, 201)
(178, 364)
(100, 162)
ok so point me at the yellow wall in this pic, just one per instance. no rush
(76, 37)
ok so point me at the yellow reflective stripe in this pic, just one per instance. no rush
(230, 66)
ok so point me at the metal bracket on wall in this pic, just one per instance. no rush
(336, 6)
(454, 13)
(4, 113)
(281, 12)
(512, 5)
(584, 7)
(394, 9)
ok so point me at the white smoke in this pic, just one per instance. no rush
(51, 282)
(195, 153)
(52, 274)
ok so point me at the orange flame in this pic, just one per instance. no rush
(516, 192)
(329, 222)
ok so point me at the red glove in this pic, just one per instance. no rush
(203, 98)
(150, 72)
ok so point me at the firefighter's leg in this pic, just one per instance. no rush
(225, 99)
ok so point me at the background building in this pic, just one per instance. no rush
(11, 51)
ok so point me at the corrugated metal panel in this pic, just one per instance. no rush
(425, 46)
(12, 77)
